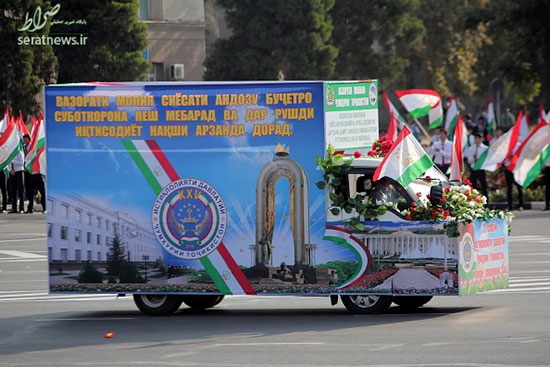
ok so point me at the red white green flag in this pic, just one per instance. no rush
(21, 126)
(37, 148)
(494, 156)
(392, 128)
(543, 116)
(422, 102)
(529, 159)
(491, 121)
(10, 145)
(405, 161)
(457, 160)
(451, 118)
(400, 123)
(157, 170)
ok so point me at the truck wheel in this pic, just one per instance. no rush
(201, 302)
(411, 302)
(366, 304)
(157, 304)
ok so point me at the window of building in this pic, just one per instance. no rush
(78, 215)
(63, 232)
(99, 256)
(77, 255)
(89, 255)
(143, 9)
(64, 254)
(108, 241)
(50, 253)
(65, 210)
(50, 206)
(107, 225)
(156, 73)
(89, 218)
(88, 237)
(99, 222)
(50, 230)
(77, 235)
(115, 227)
(98, 239)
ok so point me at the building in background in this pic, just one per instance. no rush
(84, 231)
(181, 33)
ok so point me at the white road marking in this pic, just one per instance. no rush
(528, 284)
(25, 239)
(87, 319)
(20, 254)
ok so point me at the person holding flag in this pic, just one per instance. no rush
(478, 177)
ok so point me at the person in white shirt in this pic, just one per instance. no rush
(441, 151)
(18, 188)
(435, 136)
(473, 153)
(547, 181)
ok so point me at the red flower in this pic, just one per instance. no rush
(442, 201)
(478, 200)
(435, 212)
(357, 154)
(419, 194)
(413, 211)
(428, 178)
(447, 190)
(382, 139)
(429, 196)
(408, 217)
(467, 182)
(470, 198)
(447, 213)
(441, 210)
(413, 204)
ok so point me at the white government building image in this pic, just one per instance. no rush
(80, 230)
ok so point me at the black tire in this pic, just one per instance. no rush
(411, 302)
(201, 302)
(157, 304)
(366, 304)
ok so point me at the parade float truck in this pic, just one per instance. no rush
(189, 192)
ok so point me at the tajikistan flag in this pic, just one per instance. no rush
(543, 116)
(10, 145)
(451, 118)
(392, 128)
(400, 123)
(422, 102)
(491, 121)
(37, 148)
(405, 161)
(531, 155)
(457, 161)
(501, 149)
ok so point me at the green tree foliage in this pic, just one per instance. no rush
(376, 39)
(115, 43)
(345, 269)
(452, 45)
(116, 256)
(25, 68)
(272, 35)
(129, 273)
(520, 50)
(89, 274)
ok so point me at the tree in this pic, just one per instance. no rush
(116, 256)
(272, 35)
(114, 46)
(25, 68)
(89, 274)
(376, 39)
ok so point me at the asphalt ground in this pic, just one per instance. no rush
(506, 328)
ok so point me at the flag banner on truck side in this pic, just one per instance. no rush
(159, 173)
(528, 161)
(405, 161)
(211, 189)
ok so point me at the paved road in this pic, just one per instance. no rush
(510, 327)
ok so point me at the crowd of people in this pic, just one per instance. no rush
(477, 137)
(17, 185)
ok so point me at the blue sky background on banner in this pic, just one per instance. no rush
(100, 170)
